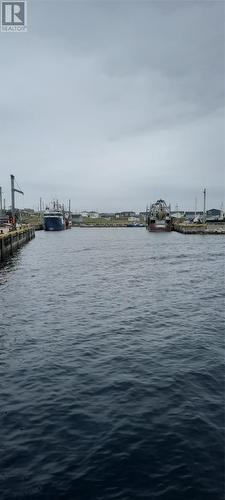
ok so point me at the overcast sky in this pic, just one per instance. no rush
(115, 103)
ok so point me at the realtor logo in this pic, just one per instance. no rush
(13, 16)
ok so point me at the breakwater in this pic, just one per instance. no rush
(12, 240)
(199, 228)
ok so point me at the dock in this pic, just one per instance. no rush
(10, 241)
(182, 227)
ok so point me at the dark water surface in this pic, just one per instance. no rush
(112, 367)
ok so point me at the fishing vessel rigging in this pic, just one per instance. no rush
(159, 217)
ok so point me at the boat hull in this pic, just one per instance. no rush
(54, 223)
(159, 227)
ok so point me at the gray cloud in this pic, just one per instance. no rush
(115, 103)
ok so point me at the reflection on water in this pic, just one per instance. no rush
(7, 265)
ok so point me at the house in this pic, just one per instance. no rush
(213, 212)
(91, 215)
(105, 215)
(76, 219)
(214, 215)
(133, 219)
(120, 215)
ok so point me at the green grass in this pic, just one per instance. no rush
(100, 221)
(34, 219)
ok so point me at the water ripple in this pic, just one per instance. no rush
(112, 367)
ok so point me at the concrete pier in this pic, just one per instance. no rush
(10, 241)
(199, 228)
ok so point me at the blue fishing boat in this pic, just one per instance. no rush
(54, 219)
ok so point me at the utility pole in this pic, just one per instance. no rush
(204, 206)
(13, 191)
(0, 200)
(69, 208)
(195, 206)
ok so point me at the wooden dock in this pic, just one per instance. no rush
(10, 241)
